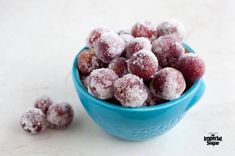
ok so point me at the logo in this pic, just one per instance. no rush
(213, 139)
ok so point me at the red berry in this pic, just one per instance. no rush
(60, 115)
(88, 61)
(94, 36)
(101, 83)
(85, 81)
(168, 84)
(33, 121)
(153, 100)
(143, 64)
(171, 27)
(127, 38)
(119, 66)
(144, 29)
(136, 45)
(191, 66)
(130, 91)
(168, 50)
(43, 103)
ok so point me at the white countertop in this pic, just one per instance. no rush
(39, 40)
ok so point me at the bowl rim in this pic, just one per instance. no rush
(109, 105)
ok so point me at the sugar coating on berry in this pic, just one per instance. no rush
(95, 35)
(60, 115)
(127, 38)
(88, 61)
(136, 45)
(101, 83)
(109, 46)
(143, 64)
(144, 29)
(130, 91)
(168, 84)
(191, 66)
(33, 121)
(85, 81)
(43, 103)
(153, 100)
(168, 51)
(119, 66)
(171, 27)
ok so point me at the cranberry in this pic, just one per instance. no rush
(60, 115)
(33, 121)
(94, 36)
(191, 66)
(43, 103)
(88, 61)
(143, 64)
(119, 66)
(130, 91)
(153, 100)
(168, 50)
(171, 27)
(144, 29)
(85, 81)
(168, 84)
(136, 45)
(109, 46)
(101, 83)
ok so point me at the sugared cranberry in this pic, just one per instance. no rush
(101, 83)
(95, 35)
(171, 27)
(191, 66)
(127, 38)
(144, 29)
(43, 103)
(109, 46)
(168, 50)
(85, 81)
(153, 100)
(119, 66)
(136, 45)
(33, 121)
(130, 91)
(60, 115)
(168, 84)
(88, 61)
(143, 64)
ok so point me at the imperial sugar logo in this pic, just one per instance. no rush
(213, 139)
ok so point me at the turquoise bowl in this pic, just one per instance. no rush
(142, 123)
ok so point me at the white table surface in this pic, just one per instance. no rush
(38, 42)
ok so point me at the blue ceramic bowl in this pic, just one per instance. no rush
(142, 123)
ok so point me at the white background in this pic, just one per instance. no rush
(39, 40)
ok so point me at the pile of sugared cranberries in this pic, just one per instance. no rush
(144, 66)
(45, 114)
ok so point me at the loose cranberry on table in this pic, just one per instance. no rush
(168, 51)
(43, 103)
(60, 115)
(143, 64)
(33, 121)
(119, 66)
(130, 91)
(144, 29)
(101, 83)
(136, 45)
(168, 84)
(95, 35)
(171, 27)
(191, 66)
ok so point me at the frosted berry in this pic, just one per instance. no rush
(119, 66)
(143, 64)
(153, 100)
(168, 84)
(43, 103)
(130, 91)
(88, 61)
(94, 36)
(168, 50)
(136, 45)
(101, 83)
(109, 46)
(171, 27)
(60, 115)
(144, 29)
(33, 121)
(127, 38)
(191, 66)
(85, 81)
